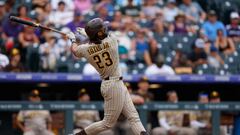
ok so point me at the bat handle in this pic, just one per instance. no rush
(54, 30)
(63, 34)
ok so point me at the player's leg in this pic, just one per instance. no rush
(30, 132)
(186, 131)
(131, 113)
(159, 131)
(46, 132)
(113, 104)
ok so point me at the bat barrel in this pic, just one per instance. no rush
(33, 24)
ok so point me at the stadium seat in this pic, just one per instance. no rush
(227, 69)
(204, 69)
(33, 58)
(232, 59)
(62, 64)
(164, 43)
(183, 42)
(169, 57)
(76, 66)
(141, 67)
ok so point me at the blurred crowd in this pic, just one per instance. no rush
(155, 36)
(162, 122)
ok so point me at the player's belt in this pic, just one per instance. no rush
(113, 78)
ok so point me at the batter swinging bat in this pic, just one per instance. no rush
(34, 24)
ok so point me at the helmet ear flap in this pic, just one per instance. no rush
(100, 33)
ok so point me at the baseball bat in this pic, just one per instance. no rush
(34, 24)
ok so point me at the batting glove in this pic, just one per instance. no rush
(81, 31)
(72, 37)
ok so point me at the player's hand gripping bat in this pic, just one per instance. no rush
(34, 24)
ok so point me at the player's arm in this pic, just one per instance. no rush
(74, 46)
(49, 121)
(20, 121)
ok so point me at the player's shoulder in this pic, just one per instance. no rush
(85, 45)
(112, 36)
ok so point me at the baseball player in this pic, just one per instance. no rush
(35, 122)
(102, 53)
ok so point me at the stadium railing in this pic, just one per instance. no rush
(74, 77)
(69, 107)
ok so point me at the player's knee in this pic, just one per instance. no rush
(107, 125)
(134, 119)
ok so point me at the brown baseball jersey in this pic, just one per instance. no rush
(104, 58)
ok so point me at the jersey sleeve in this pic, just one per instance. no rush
(20, 116)
(80, 51)
(114, 38)
(48, 116)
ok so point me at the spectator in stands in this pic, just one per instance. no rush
(143, 22)
(49, 53)
(130, 9)
(123, 3)
(215, 97)
(170, 11)
(143, 89)
(224, 44)
(193, 11)
(211, 26)
(197, 56)
(64, 44)
(122, 36)
(159, 28)
(77, 21)
(83, 118)
(108, 4)
(117, 22)
(47, 11)
(83, 6)
(4, 61)
(61, 16)
(9, 5)
(23, 12)
(174, 122)
(233, 29)
(33, 122)
(208, 44)
(27, 38)
(69, 4)
(11, 29)
(214, 59)
(159, 68)
(140, 47)
(39, 3)
(15, 64)
(102, 12)
(180, 64)
(150, 8)
(180, 25)
(2, 12)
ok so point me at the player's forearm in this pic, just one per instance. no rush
(74, 48)
(49, 126)
(20, 125)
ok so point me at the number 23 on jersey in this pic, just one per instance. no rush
(99, 59)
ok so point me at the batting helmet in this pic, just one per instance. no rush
(96, 30)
